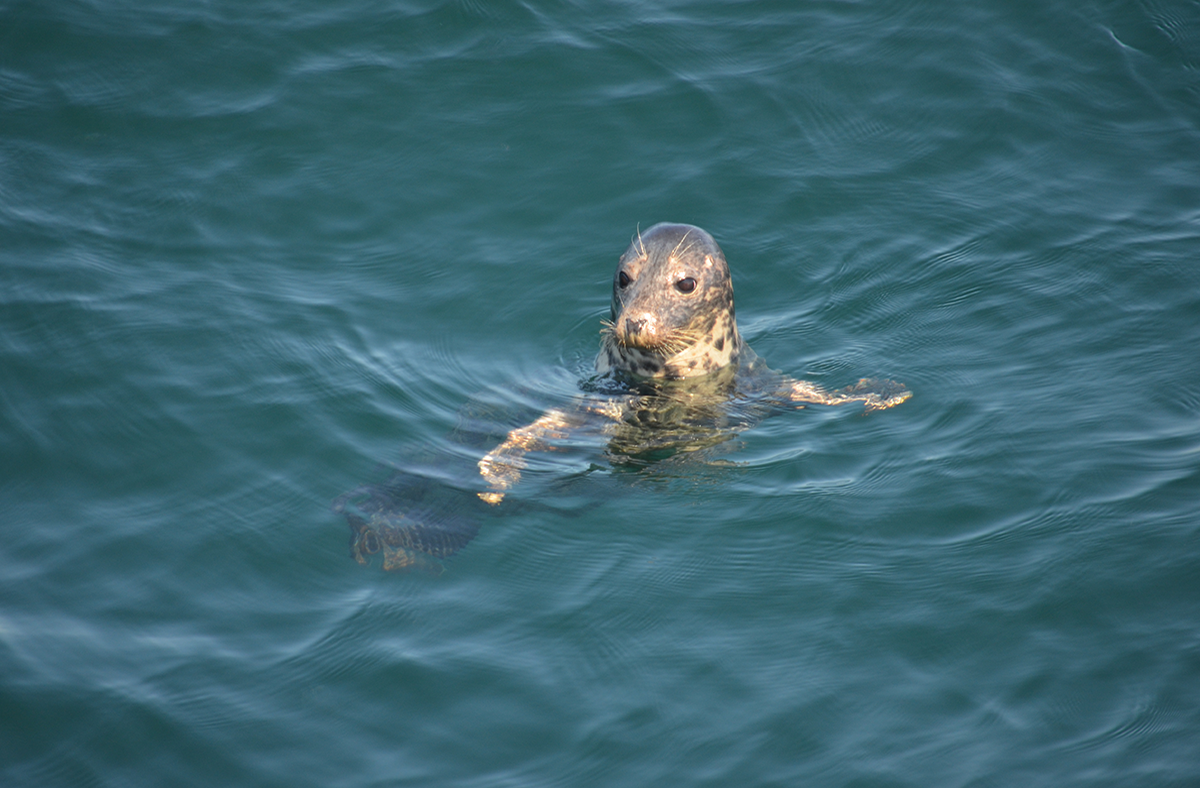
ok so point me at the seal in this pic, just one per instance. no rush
(674, 378)
(672, 337)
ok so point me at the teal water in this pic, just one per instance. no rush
(255, 255)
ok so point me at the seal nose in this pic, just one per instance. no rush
(639, 330)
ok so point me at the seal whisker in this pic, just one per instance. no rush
(681, 240)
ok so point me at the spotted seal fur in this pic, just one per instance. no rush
(672, 307)
(673, 335)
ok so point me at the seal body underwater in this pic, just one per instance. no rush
(678, 377)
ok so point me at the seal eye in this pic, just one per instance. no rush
(686, 285)
(623, 280)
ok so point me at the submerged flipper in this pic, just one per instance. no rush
(414, 521)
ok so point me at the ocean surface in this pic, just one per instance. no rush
(254, 255)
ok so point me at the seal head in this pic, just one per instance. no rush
(672, 307)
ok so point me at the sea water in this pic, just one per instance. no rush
(253, 255)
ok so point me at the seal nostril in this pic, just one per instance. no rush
(633, 326)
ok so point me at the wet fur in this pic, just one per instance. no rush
(658, 331)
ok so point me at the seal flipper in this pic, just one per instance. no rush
(414, 521)
(874, 393)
